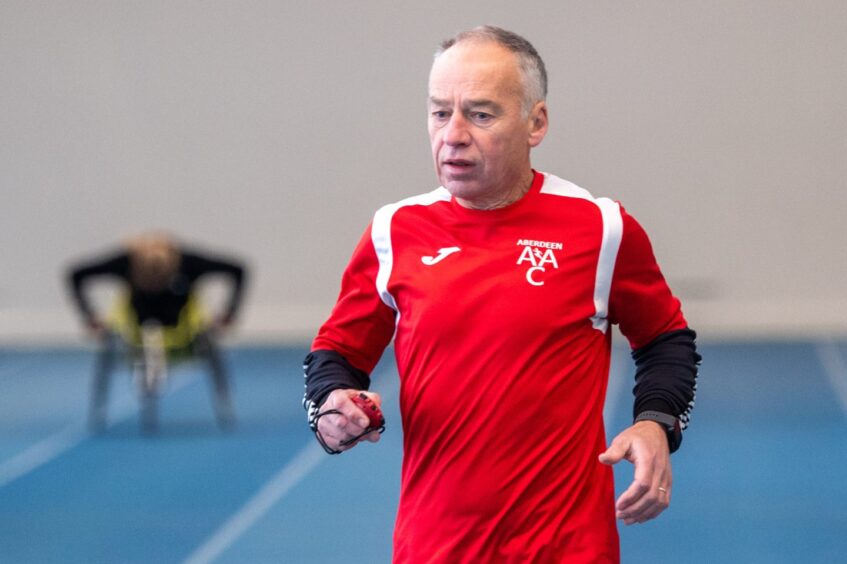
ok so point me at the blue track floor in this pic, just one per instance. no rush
(761, 476)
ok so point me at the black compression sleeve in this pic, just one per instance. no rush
(666, 374)
(327, 370)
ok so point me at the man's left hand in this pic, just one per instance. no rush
(645, 444)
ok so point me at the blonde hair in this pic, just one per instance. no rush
(153, 260)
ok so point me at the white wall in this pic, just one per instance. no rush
(274, 129)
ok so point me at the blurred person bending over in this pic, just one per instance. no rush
(160, 277)
(499, 289)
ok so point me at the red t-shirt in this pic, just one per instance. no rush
(501, 327)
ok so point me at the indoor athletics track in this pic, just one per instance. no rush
(761, 476)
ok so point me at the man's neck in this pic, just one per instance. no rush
(501, 201)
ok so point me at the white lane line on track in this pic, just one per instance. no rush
(306, 460)
(835, 368)
(55, 445)
(40, 453)
(289, 476)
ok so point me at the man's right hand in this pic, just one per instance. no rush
(351, 421)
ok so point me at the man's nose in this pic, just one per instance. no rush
(456, 131)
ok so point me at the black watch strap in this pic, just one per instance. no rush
(668, 422)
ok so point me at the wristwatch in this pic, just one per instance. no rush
(668, 422)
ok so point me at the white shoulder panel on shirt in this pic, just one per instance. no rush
(381, 237)
(561, 187)
(610, 212)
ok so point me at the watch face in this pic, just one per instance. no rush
(674, 436)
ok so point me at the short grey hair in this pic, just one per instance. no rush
(529, 61)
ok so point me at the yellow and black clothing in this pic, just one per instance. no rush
(175, 308)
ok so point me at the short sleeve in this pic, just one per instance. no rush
(360, 326)
(640, 301)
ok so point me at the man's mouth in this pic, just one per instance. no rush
(458, 163)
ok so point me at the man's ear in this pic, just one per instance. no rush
(538, 123)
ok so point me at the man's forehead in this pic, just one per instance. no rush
(473, 67)
(473, 90)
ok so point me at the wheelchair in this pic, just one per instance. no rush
(151, 349)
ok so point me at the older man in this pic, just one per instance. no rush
(499, 289)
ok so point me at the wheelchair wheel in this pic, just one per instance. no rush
(148, 378)
(150, 375)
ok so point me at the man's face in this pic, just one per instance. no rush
(478, 130)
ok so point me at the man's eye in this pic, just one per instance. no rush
(481, 117)
(440, 115)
